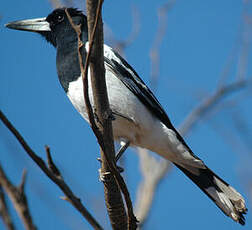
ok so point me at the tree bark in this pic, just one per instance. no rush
(113, 197)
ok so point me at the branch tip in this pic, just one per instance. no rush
(22, 183)
(51, 164)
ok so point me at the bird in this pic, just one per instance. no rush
(139, 119)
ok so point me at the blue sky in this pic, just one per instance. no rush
(199, 38)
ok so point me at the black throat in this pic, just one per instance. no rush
(67, 60)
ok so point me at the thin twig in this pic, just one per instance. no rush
(155, 49)
(51, 164)
(60, 3)
(152, 177)
(117, 215)
(111, 163)
(18, 199)
(192, 119)
(242, 67)
(75, 201)
(120, 45)
(234, 143)
(4, 211)
(55, 3)
(23, 180)
(153, 171)
(243, 128)
(208, 104)
(103, 109)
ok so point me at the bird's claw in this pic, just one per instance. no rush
(104, 176)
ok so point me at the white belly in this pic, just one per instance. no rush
(139, 127)
(124, 103)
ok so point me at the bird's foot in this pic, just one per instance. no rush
(104, 176)
(119, 169)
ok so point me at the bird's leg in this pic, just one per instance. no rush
(124, 145)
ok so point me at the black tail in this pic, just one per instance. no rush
(222, 194)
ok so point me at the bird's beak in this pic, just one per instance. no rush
(33, 25)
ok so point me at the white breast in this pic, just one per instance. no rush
(122, 101)
(136, 123)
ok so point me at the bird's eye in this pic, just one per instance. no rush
(60, 18)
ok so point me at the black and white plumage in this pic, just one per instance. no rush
(139, 117)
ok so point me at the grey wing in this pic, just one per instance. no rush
(135, 84)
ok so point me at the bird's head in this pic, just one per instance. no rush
(56, 27)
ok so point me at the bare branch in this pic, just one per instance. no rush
(102, 107)
(22, 183)
(245, 43)
(56, 3)
(153, 171)
(4, 211)
(151, 178)
(18, 199)
(60, 3)
(229, 137)
(203, 110)
(208, 104)
(243, 129)
(192, 119)
(75, 201)
(113, 197)
(103, 129)
(120, 45)
(51, 164)
(155, 49)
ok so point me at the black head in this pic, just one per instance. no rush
(56, 27)
(61, 29)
